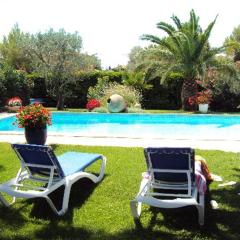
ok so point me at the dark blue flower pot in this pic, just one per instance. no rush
(36, 135)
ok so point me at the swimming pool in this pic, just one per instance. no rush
(177, 126)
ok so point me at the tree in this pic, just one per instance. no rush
(136, 80)
(232, 44)
(185, 50)
(57, 56)
(12, 50)
(135, 57)
(89, 62)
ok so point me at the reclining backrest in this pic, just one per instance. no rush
(170, 158)
(38, 155)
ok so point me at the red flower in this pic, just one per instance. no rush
(34, 115)
(93, 103)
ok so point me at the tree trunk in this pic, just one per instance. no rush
(60, 102)
(189, 89)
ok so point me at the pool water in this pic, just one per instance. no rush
(177, 126)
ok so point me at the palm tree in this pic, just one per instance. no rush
(186, 50)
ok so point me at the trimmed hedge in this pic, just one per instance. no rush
(77, 95)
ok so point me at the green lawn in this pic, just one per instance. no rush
(102, 211)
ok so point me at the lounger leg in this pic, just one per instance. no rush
(101, 174)
(65, 199)
(201, 209)
(136, 208)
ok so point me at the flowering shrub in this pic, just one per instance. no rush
(93, 103)
(34, 115)
(203, 97)
(15, 101)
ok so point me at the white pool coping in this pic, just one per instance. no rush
(223, 144)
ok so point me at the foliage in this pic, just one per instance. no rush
(96, 213)
(89, 62)
(130, 95)
(226, 92)
(97, 91)
(135, 110)
(135, 58)
(13, 83)
(92, 103)
(100, 110)
(203, 97)
(34, 115)
(104, 89)
(163, 96)
(232, 44)
(15, 101)
(13, 52)
(136, 80)
(56, 56)
(185, 50)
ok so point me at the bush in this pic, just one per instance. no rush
(98, 90)
(13, 83)
(78, 90)
(100, 110)
(92, 103)
(130, 95)
(164, 96)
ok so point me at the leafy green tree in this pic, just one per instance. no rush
(12, 50)
(135, 58)
(232, 44)
(185, 50)
(89, 62)
(57, 56)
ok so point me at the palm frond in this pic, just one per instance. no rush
(152, 38)
(177, 22)
(203, 39)
(168, 28)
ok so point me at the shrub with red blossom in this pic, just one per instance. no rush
(93, 103)
(15, 101)
(203, 97)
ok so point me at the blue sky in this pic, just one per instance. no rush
(111, 28)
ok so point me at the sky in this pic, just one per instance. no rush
(111, 28)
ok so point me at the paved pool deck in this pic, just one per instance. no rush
(223, 144)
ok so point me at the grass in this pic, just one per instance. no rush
(102, 211)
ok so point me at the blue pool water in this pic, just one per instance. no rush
(140, 125)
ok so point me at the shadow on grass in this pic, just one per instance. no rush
(68, 232)
(2, 168)
(80, 192)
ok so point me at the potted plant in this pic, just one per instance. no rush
(14, 104)
(34, 119)
(203, 99)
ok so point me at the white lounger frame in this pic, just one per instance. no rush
(12, 187)
(147, 196)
